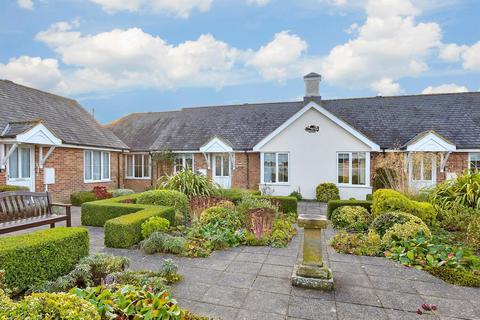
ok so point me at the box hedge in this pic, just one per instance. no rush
(5, 188)
(386, 200)
(287, 204)
(80, 197)
(29, 259)
(96, 213)
(334, 204)
(126, 231)
(169, 198)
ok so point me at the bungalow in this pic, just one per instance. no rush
(48, 142)
(51, 143)
(293, 146)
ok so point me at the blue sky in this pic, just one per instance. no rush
(123, 56)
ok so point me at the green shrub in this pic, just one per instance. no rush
(50, 306)
(236, 194)
(386, 200)
(96, 213)
(357, 243)
(125, 231)
(423, 252)
(459, 277)
(140, 279)
(169, 198)
(189, 183)
(121, 192)
(351, 218)
(455, 217)
(90, 271)
(473, 233)
(282, 231)
(162, 242)
(249, 202)
(464, 190)
(334, 204)
(327, 191)
(154, 224)
(6, 188)
(369, 197)
(296, 194)
(29, 259)
(129, 302)
(80, 197)
(406, 232)
(286, 204)
(387, 220)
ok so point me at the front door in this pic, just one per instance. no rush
(222, 170)
(21, 168)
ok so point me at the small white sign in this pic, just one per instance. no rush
(203, 172)
(49, 176)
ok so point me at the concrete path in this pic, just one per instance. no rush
(253, 283)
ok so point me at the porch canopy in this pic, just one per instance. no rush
(217, 145)
(27, 132)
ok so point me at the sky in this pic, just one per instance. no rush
(122, 56)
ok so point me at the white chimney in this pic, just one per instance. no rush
(312, 84)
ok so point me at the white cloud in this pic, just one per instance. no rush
(34, 72)
(25, 4)
(468, 55)
(386, 87)
(180, 8)
(277, 59)
(445, 88)
(260, 3)
(390, 45)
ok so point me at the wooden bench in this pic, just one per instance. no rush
(21, 210)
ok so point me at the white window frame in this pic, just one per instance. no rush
(102, 153)
(143, 166)
(183, 156)
(470, 160)
(262, 171)
(350, 169)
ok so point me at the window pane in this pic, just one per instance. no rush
(475, 162)
(25, 162)
(129, 165)
(358, 168)
(189, 161)
(282, 167)
(96, 161)
(13, 165)
(427, 168)
(269, 168)
(106, 165)
(218, 166)
(138, 165)
(146, 166)
(343, 168)
(226, 171)
(178, 163)
(416, 168)
(88, 165)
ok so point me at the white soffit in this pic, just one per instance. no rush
(431, 142)
(216, 145)
(326, 113)
(39, 134)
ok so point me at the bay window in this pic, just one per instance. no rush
(352, 168)
(96, 165)
(138, 166)
(275, 167)
(183, 161)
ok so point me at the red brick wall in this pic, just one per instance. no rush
(246, 173)
(68, 164)
(457, 163)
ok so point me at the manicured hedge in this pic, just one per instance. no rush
(334, 204)
(125, 231)
(96, 213)
(80, 197)
(236, 194)
(287, 204)
(39, 256)
(169, 198)
(5, 188)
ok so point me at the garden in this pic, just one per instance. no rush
(49, 274)
(436, 230)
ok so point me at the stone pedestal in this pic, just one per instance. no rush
(312, 272)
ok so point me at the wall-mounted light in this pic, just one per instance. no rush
(312, 128)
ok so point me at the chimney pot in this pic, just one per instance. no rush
(312, 84)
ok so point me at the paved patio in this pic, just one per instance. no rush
(253, 283)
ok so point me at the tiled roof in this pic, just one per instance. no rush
(388, 121)
(21, 106)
